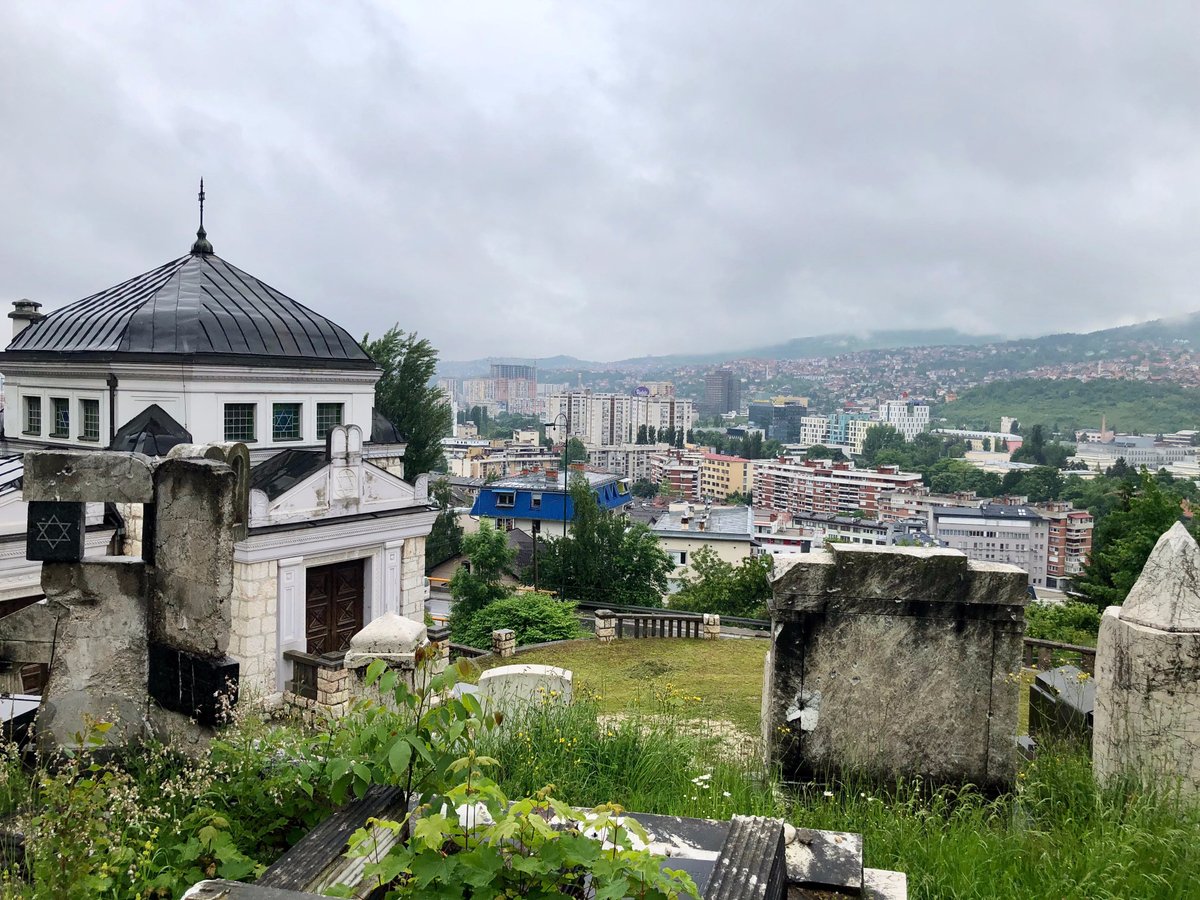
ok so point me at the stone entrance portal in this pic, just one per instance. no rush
(333, 605)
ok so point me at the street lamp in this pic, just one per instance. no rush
(566, 420)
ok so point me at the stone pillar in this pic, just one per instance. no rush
(439, 649)
(712, 626)
(606, 626)
(893, 662)
(1147, 716)
(504, 642)
(333, 690)
(392, 638)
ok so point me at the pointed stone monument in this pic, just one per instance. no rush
(1147, 718)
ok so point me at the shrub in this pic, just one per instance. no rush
(535, 618)
(1068, 623)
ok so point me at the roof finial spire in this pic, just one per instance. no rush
(202, 246)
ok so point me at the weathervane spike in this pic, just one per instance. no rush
(202, 247)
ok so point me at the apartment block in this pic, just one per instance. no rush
(631, 461)
(1001, 533)
(722, 475)
(1068, 543)
(819, 486)
(680, 471)
(910, 419)
(610, 420)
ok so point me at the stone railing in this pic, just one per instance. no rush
(611, 626)
(1051, 654)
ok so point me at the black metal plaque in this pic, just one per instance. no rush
(55, 531)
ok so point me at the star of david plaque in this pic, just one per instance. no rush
(55, 531)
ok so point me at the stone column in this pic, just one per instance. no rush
(712, 626)
(606, 626)
(439, 649)
(333, 690)
(1147, 716)
(893, 662)
(504, 642)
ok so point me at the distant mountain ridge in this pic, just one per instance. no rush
(1063, 346)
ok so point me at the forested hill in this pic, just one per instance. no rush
(1069, 404)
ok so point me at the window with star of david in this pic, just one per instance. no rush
(61, 424)
(285, 422)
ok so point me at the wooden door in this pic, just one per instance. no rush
(333, 602)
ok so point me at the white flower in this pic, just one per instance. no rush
(829, 793)
(726, 794)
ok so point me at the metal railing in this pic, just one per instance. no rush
(1049, 654)
(303, 682)
(733, 621)
(658, 625)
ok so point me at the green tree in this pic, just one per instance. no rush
(479, 583)
(644, 488)
(1123, 539)
(604, 559)
(643, 434)
(878, 439)
(737, 498)
(651, 435)
(445, 539)
(712, 585)
(576, 451)
(405, 394)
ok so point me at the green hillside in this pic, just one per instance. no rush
(1131, 406)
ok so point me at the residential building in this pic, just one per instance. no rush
(630, 461)
(775, 536)
(679, 472)
(655, 389)
(1068, 543)
(1017, 535)
(857, 530)
(908, 418)
(610, 420)
(722, 392)
(841, 431)
(819, 486)
(541, 503)
(721, 476)
(917, 502)
(685, 528)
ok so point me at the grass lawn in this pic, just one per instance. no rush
(650, 673)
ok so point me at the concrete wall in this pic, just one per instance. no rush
(894, 661)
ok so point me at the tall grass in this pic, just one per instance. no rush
(1056, 835)
(648, 763)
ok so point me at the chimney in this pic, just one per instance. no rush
(24, 314)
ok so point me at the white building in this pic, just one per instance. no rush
(910, 419)
(609, 420)
(197, 351)
(997, 533)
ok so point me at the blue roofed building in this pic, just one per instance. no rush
(539, 502)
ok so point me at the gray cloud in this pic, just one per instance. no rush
(621, 178)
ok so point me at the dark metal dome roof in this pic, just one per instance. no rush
(197, 308)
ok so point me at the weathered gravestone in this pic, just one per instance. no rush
(895, 661)
(525, 684)
(125, 630)
(1147, 716)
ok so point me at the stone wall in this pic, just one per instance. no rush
(412, 580)
(253, 636)
(134, 515)
(893, 661)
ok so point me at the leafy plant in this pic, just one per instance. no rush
(535, 618)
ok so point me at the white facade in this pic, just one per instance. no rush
(608, 420)
(196, 396)
(910, 419)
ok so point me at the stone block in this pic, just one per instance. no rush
(895, 662)
(94, 581)
(89, 476)
(193, 553)
(389, 637)
(518, 684)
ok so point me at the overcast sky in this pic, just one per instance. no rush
(614, 179)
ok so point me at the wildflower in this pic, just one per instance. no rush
(829, 793)
(726, 794)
